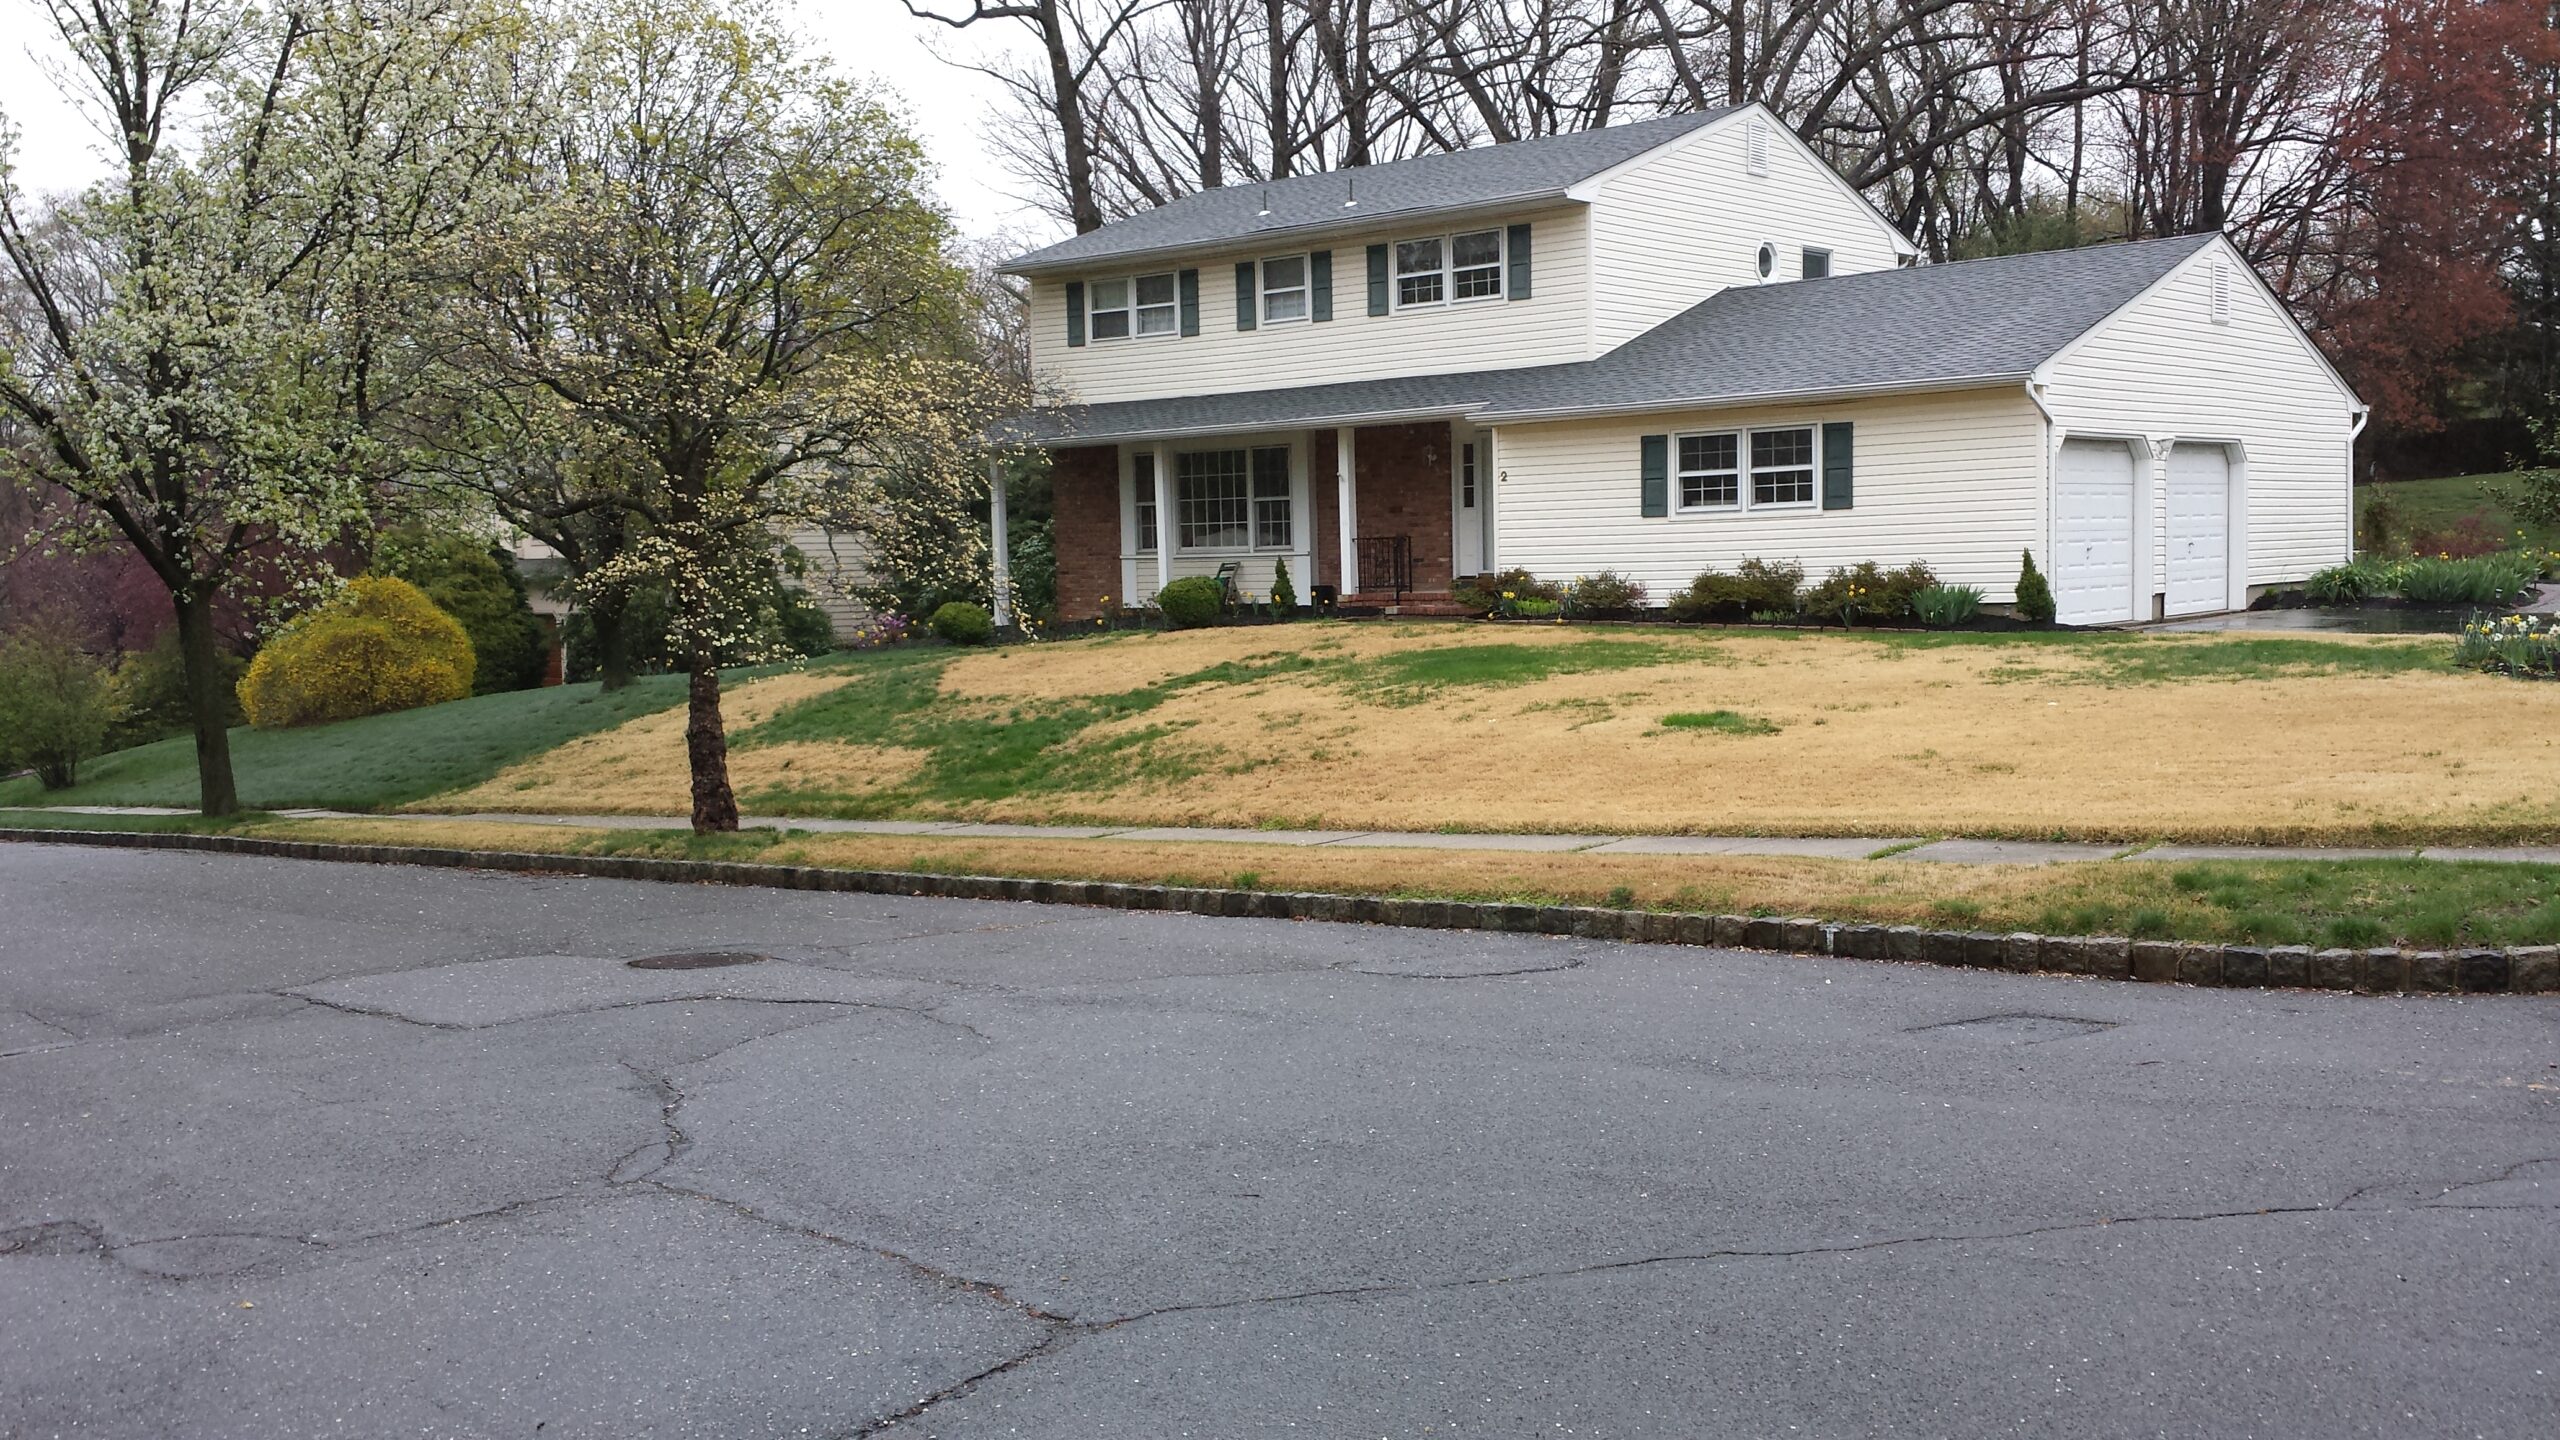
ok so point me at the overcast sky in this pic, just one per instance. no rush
(57, 150)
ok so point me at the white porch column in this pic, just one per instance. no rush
(1164, 516)
(1488, 487)
(1346, 465)
(1003, 547)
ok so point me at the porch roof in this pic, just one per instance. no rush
(1933, 327)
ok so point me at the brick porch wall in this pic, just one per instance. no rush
(1085, 484)
(1404, 490)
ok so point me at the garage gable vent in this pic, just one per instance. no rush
(1755, 147)
(2218, 293)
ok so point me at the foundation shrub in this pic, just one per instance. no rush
(1755, 587)
(1867, 593)
(2035, 597)
(1192, 602)
(963, 623)
(1607, 595)
(1504, 588)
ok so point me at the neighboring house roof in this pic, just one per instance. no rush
(1487, 176)
(1972, 322)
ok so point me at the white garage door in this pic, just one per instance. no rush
(2093, 533)
(2199, 529)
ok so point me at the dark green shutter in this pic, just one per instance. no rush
(1657, 475)
(1189, 282)
(1246, 299)
(1320, 285)
(1377, 279)
(1838, 465)
(1075, 312)
(1519, 246)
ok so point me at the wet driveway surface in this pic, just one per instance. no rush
(291, 1149)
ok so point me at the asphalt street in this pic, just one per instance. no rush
(292, 1149)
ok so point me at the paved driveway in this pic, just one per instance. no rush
(291, 1150)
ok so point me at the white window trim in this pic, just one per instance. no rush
(1093, 288)
(1743, 503)
(1769, 250)
(1448, 271)
(1305, 287)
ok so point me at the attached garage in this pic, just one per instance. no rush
(2202, 451)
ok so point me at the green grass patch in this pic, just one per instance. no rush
(1723, 722)
(1414, 676)
(977, 751)
(375, 763)
(2166, 660)
(2341, 903)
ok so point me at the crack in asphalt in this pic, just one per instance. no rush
(1057, 1340)
(922, 1012)
(1710, 1257)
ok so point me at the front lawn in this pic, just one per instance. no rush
(1423, 727)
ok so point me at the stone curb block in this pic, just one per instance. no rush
(2527, 969)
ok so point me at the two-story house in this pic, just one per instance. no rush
(1659, 348)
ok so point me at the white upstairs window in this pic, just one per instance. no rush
(1284, 288)
(1143, 305)
(1439, 268)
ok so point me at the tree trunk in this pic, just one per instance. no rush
(613, 649)
(216, 794)
(706, 751)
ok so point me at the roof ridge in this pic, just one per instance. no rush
(1342, 172)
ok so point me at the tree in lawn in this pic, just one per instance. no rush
(720, 285)
(194, 345)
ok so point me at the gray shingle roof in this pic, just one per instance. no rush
(1934, 326)
(1488, 175)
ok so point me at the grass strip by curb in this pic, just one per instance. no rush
(2380, 970)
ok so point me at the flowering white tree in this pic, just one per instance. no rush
(194, 349)
(719, 283)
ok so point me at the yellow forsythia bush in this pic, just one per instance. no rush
(380, 645)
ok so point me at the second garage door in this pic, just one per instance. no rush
(2199, 529)
(2093, 533)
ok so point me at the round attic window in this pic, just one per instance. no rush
(1768, 259)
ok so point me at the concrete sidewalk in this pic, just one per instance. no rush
(1859, 847)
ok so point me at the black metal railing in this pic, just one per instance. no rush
(1386, 564)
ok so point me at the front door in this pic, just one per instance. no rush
(1468, 528)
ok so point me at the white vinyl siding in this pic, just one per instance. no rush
(1953, 479)
(1552, 325)
(2164, 367)
(1672, 230)
(839, 561)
